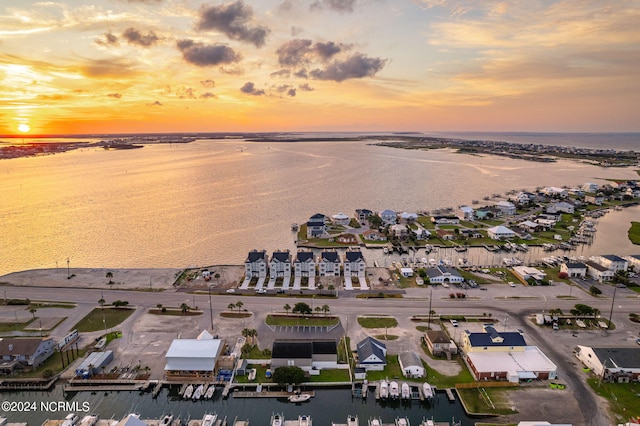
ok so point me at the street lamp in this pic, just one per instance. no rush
(613, 301)
(210, 309)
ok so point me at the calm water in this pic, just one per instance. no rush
(210, 202)
(327, 406)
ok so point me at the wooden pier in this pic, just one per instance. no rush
(267, 394)
(450, 395)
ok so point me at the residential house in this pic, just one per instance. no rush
(484, 213)
(555, 192)
(598, 272)
(574, 269)
(411, 364)
(491, 355)
(596, 199)
(305, 264)
(362, 215)
(471, 233)
(444, 275)
(18, 353)
(373, 235)
(591, 187)
(445, 220)
(446, 234)
(529, 226)
(408, 217)
(354, 265)
(500, 233)
(621, 364)
(329, 264)
(438, 342)
(256, 264)
(560, 207)
(466, 213)
(634, 260)
(341, 219)
(524, 198)
(613, 262)
(524, 273)
(507, 208)
(348, 239)
(307, 355)
(280, 264)
(389, 217)
(372, 354)
(399, 230)
(421, 233)
(317, 226)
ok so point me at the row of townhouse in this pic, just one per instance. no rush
(305, 264)
(601, 268)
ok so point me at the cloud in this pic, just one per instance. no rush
(115, 95)
(110, 39)
(326, 50)
(112, 68)
(356, 66)
(250, 89)
(293, 52)
(282, 88)
(206, 55)
(207, 95)
(301, 73)
(305, 87)
(341, 6)
(185, 93)
(295, 31)
(291, 92)
(153, 104)
(208, 83)
(283, 73)
(144, 1)
(233, 21)
(135, 37)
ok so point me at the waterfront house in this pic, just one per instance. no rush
(317, 226)
(421, 233)
(598, 272)
(596, 199)
(507, 208)
(195, 359)
(574, 269)
(348, 239)
(399, 230)
(305, 264)
(329, 264)
(438, 342)
(590, 187)
(555, 192)
(524, 198)
(408, 217)
(411, 364)
(560, 207)
(256, 264)
(616, 364)
(466, 213)
(373, 235)
(442, 274)
(634, 260)
(354, 265)
(280, 264)
(471, 233)
(305, 354)
(362, 215)
(372, 354)
(500, 233)
(389, 217)
(484, 213)
(446, 234)
(445, 220)
(613, 262)
(341, 219)
(18, 353)
(530, 226)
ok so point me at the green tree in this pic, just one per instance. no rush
(287, 308)
(101, 302)
(159, 306)
(318, 309)
(302, 308)
(184, 308)
(239, 305)
(33, 312)
(109, 277)
(288, 374)
(120, 303)
(595, 291)
(325, 309)
(231, 306)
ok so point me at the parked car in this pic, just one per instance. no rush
(512, 284)
(454, 323)
(231, 290)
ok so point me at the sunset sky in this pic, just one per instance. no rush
(114, 66)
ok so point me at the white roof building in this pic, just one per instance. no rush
(193, 355)
(513, 365)
(500, 233)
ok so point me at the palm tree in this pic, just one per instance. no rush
(101, 302)
(231, 306)
(159, 306)
(287, 308)
(184, 307)
(317, 309)
(109, 276)
(33, 312)
(239, 305)
(325, 309)
(253, 333)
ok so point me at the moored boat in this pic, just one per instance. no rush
(299, 397)
(277, 420)
(384, 389)
(89, 420)
(166, 420)
(197, 394)
(188, 393)
(427, 390)
(402, 421)
(394, 390)
(209, 420)
(352, 420)
(406, 391)
(70, 420)
(304, 420)
(210, 391)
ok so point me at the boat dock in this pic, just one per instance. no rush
(450, 394)
(106, 385)
(267, 394)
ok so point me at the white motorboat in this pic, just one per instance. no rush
(304, 421)
(394, 390)
(252, 374)
(210, 391)
(375, 422)
(384, 389)
(427, 422)
(209, 420)
(70, 420)
(197, 394)
(188, 393)
(427, 390)
(277, 420)
(402, 421)
(89, 420)
(352, 420)
(166, 420)
(406, 391)
(299, 397)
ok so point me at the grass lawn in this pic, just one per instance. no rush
(391, 371)
(234, 314)
(623, 397)
(386, 337)
(43, 305)
(53, 364)
(479, 402)
(331, 376)
(6, 327)
(377, 322)
(300, 320)
(634, 233)
(93, 321)
(443, 381)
